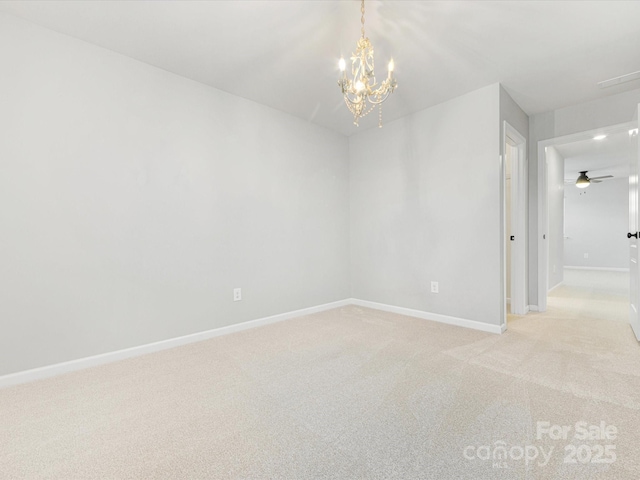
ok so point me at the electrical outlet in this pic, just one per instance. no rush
(434, 287)
(586, 255)
(237, 294)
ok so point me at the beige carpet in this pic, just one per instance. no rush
(348, 393)
(592, 294)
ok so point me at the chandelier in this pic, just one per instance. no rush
(362, 93)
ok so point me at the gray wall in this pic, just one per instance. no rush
(596, 222)
(132, 202)
(425, 205)
(555, 166)
(612, 110)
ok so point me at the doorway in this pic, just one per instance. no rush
(514, 174)
(583, 207)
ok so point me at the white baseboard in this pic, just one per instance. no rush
(436, 317)
(95, 360)
(604, 269)
(556, 286)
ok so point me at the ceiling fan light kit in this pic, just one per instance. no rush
(362, 93)
(584, 181)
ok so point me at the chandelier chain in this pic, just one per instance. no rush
(362, 18)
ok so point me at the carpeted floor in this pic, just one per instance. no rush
(594, 294)
(348, 393)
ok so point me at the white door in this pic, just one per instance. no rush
(634, 232)
(508, 188)
(516, 214)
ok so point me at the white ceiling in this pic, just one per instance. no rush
(610, 156)
(547, 54)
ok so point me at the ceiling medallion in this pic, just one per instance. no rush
(362, 93)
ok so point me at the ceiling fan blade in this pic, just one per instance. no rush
(595, 181)
(599, 178)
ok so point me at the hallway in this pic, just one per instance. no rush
(591, 294)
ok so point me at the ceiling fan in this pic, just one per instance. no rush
(584, 181)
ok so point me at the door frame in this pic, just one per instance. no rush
(543, 200)
(519, 214)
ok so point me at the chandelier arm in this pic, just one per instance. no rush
(354, 99)
(374, 101)
(358, 109)
(387, 85)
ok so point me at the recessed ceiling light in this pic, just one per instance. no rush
(633, 132)
(599, 137)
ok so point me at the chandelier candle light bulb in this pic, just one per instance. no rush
(362, 93)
